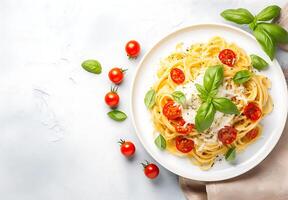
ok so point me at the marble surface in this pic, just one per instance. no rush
(56, 142)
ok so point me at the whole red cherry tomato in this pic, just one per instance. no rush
(127, 148)
(112, 98)
(116, 75)
(151, 170)
(132, 48)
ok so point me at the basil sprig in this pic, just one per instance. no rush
(268, 34)
(179, 97)
(160, 142)
(149, 99)
(242, 76)
(258, 62)
(213, 78)
(231, 154)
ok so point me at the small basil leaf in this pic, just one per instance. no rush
(213, 78)
(160, 142)
(258, 62)
(242, 76)
(225, 105)
(278, 33)
(268, 13)
(205, 116)
(149, 99)
(117, 115)
(202, 92)
(266, 41)
(179, 97)
(238, 16)
(92, 66)
(231, 154)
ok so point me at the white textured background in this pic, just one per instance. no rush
(56, 142)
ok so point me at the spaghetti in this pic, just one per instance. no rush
(251, 99)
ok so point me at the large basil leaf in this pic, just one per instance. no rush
(205, 116)
(179, 97)
(239, 16)
(258, 62)
(149, 99)
(231, 154)
(278, 33)
(266, 41)
(160, 142)
(92, 66)
(213, 78)
(225, 105)
(268, 13)
(242, 76)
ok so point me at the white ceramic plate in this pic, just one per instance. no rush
(146, 75)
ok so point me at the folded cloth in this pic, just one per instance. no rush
(269, 180)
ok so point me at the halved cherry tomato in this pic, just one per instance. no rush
(227, 134)
(171, 111)
(184, 145)
(177, 75)
(116, 75)
(227, 57)
(180, 128)
(252, 111)
(127, 148)
(112, 98)
(252, 134)
(151, 170)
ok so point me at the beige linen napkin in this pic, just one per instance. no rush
(267, 181)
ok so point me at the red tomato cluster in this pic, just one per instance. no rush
(173, 113)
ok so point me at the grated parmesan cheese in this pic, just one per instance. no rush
(193, 102)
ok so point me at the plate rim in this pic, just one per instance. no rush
(261, 156)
